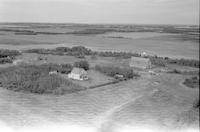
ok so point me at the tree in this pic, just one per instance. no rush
(93, 57)
(82, 64)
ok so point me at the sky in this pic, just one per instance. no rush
(101, 11)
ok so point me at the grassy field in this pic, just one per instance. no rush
(154, 46)
(167, 107)
(157, 102)
(135, 102)
(105, 61)
(179, 44)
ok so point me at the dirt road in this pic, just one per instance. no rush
(96, 109)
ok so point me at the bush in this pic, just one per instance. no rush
(184, 62)
(65, 68)
(63, 49)
(175, 71)
(112, 71)
(5, 60)
(118, 54)
(34, 79)
(157, 61)
(80, 56)
(192, 82)
(93, 57)
(196, 104)
(82, 64)
(9, 53)
(62, 68)
(82, 50)
(162, 61)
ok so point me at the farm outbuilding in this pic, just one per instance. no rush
(141, 63)
(78, 74)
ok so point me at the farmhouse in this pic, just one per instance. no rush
(53, 72)
(141, 63)
(78, 74)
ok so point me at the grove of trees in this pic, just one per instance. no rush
(82, 64)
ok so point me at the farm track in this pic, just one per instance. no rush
(108, 114)
(93, 107)
(105, 84)
(85, 106)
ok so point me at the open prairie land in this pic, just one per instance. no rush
(162, 40)
(156, 100)
(152, 102)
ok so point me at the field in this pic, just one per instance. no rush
(106, 61)
(156, 101)
(158, 41)
(168, 102)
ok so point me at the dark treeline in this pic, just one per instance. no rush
(82, 64)
(127, 73)
(183, 62)
(81, 52)
(162, 61)
(5, 60)
(39, 51)
(9, 53)
(192, 82)
(7, 56)
(158, 61)
(62, 68)
(74, 51)
(118, 54)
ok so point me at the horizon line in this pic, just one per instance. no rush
(96, 23)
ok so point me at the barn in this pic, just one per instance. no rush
(78, 74)
(141, 63)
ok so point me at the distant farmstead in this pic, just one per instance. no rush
(78, 74)
(143, 54)
(141, 63)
